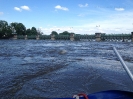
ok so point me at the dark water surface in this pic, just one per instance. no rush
(39, 68)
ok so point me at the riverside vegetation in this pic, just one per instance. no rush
(8, 30)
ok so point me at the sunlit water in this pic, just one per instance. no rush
(40, 68)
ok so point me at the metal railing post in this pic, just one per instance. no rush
(123, 63)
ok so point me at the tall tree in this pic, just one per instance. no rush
(8, 32)
(33, 31)
(3, 28)
(19, 28)
(65, 33)
(14, 27)
(39, 32)
(28, 32)
(54, 33)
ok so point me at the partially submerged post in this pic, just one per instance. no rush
(123, 64)
(37, 37)
(71, 37)
(14, 36)
(25, 37)
(132, 36)
(98, 36)
(52, 37)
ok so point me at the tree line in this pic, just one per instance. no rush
(8, 30)
(63, 33)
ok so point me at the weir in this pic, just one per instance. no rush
(74, 37)
(98, 36)
(52, 37)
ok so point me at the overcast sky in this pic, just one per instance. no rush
(79, 16)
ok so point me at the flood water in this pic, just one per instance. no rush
(49, 69)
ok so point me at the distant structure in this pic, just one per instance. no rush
(72, 37)
(98, 36)
(78, 37)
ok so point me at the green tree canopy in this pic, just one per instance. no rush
(28, 32)
(54, 33)
(8, 31)
(33, 31)
(5, 30)
(16, 28)
(39, 32)
(65, 33)
(19, 28)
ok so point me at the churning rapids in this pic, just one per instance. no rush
(49, 69)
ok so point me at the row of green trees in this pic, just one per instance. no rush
(63, 33)
(8, 30)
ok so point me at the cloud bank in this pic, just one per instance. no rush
(25, 8)
(61, 8)
(81, 5)
(119, 9)
(17, 9)
(22, 8)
